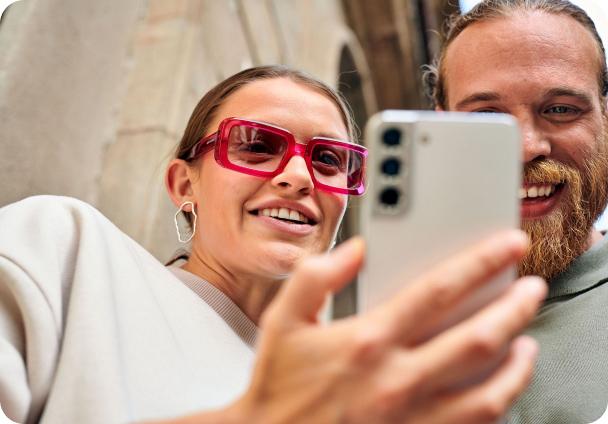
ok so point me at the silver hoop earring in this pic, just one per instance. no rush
(179, 236)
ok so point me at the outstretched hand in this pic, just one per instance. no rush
(379, 367)
(374, 368)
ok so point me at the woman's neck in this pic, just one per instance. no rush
(251, 293)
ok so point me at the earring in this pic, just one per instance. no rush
(179, 237)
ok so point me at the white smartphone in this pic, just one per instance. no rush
(439, 182)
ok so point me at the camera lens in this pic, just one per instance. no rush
(390, 196)
(391, 166)
(392, 137)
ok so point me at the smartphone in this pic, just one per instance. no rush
(438, 183)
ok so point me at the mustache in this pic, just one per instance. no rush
(549, 171)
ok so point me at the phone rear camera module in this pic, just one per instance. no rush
(391, 137)
(391, 167)
(390, 196)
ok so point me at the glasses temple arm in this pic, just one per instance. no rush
(202, 147)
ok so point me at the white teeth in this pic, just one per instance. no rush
(284, 213)
(533, 192)
(523, 193)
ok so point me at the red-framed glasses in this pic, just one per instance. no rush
(263, 150)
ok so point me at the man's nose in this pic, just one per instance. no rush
(295, 176)
(535, 141)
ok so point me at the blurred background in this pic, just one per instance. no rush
(94, 95)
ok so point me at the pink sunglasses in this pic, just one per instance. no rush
(263, 150)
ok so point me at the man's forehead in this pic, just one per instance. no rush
(537, 28)
(531, 46)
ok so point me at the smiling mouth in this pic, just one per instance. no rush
(537, 193)
(285, 214)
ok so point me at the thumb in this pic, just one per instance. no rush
(302, 296)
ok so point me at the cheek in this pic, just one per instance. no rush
(582, 143)
(334, 206)
(221, 194)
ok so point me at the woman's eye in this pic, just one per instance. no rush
(328, 159)
(257, 146)
(328, 162)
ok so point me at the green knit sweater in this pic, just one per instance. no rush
(570, 384)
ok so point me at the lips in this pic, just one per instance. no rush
(539, 199)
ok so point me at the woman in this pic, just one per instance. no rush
(95, 330)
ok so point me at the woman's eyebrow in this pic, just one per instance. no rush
(481, 96)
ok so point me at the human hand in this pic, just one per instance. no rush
(377, 367)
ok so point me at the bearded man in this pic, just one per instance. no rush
(543, 62)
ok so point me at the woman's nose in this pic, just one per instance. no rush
(295, 176)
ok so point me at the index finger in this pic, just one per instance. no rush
(419, 307)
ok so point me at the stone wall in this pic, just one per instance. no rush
(95, 94)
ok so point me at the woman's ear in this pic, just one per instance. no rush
(178, 180)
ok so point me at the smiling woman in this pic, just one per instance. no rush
(93, 329)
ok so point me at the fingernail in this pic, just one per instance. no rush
(534, 286)
(353, 246)
(529, 345)
(518, 237)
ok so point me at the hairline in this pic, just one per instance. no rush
(439, 69)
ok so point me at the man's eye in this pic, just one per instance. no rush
(560, 110)
(485, 111)
(562, 113)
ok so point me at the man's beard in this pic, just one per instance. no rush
(562, 236)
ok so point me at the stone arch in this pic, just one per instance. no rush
(355, 84)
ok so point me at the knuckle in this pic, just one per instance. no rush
(390, 399)
(490, 261)
(367, 343)
(484, 344)
(443, 292)
(525, 310)
(491, 408)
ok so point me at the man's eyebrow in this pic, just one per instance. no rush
(482, 96)
(568, 92)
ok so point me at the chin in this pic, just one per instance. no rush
(281, 260)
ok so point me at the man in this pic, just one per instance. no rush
(543, 62)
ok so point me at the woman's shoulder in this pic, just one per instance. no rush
(38, 215)
(53, 226)
(47, 206)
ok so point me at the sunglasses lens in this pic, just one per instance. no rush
(262, 150)
(256, 148)
(337, 166)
